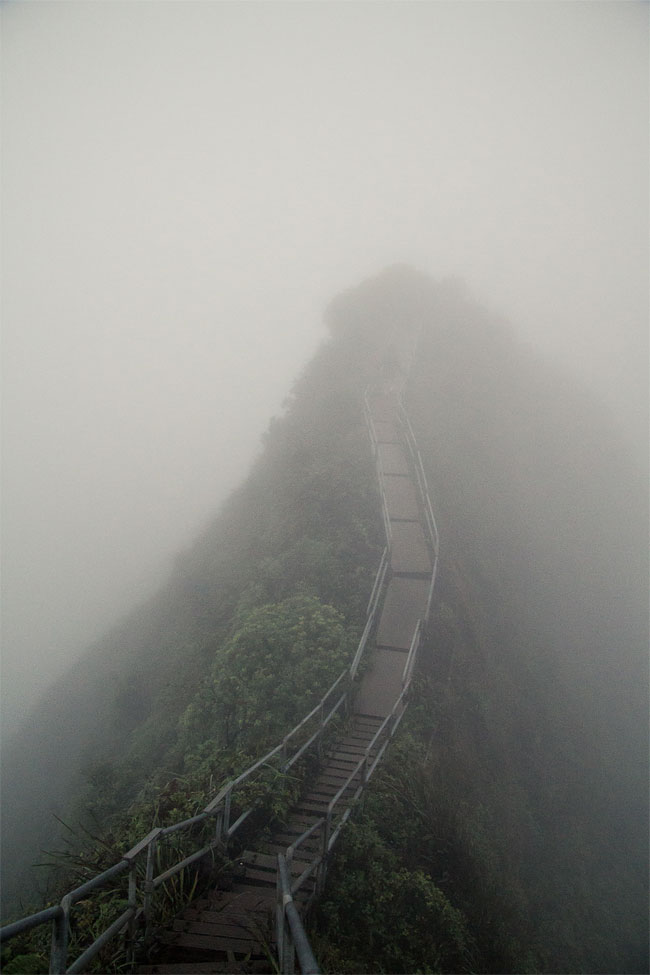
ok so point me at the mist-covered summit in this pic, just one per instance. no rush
(519, 788)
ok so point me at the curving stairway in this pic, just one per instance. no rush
(252, 922)
(235, 930)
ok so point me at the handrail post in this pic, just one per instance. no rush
(148, 887)
(322, 870)
(60, 931)
(226, 812)
(319, 744)
(218, 828)
(287, 957)
(347, 706)
(279, 917)
(133, 902)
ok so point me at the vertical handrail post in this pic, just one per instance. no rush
(290, 955)
(327, 829)
(133, 902)
(148, 887)
(279, 917)
(218, 827)
(287, 958)
(321, 722)
(226, 812)
(347, 704)
(60, 932)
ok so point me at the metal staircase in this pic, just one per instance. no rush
(255, 924)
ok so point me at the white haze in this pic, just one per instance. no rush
(185, 186)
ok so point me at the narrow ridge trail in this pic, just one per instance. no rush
(234, 930)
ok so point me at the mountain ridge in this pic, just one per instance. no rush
(528, 724)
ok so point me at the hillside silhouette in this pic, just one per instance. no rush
(510, 820)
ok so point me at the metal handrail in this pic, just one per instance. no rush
(218, 808)
(295, 938)
(366, 766)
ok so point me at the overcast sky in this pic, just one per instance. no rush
(186, 185)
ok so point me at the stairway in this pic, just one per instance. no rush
(233, 930)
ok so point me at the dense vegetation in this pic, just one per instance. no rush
(522, 791)
(262, 613)
(508, 829)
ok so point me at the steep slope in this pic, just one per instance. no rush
(306, 522)
(515, 807)
(521, 792)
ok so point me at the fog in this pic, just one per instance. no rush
(186, 185)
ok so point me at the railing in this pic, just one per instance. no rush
(425, 501)
(374, 443)
(329, 826)
(290, 934)
(219, 810)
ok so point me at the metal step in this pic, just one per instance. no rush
(211, 943)
(207, 967)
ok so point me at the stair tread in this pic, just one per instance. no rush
(216, 928)
(242, 922)
(206, 942)
(269, 860)
(208, 967)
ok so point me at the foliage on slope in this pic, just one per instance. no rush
(507, 831)
(179, 693)
(521, 792)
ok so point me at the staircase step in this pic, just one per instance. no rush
(349, 753)
(334, 777)
(323, 794)
(301, 822)
(338, 777)
(209, 943)
(259, 876)
(304, 856)
(217, 928)
(208, 967)
(310, 805)
(269, 862)
(366, 721)
(359, 736)
(246, 923)
(281, 841)
(354, 741)
(337, 765)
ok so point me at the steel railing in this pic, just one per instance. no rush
(219, 809)
(341, 806)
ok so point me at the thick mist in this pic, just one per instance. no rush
(186, 185)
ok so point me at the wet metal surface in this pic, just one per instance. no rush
(401, 499)
(405, 604)
(410, 552)
(382, 683)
